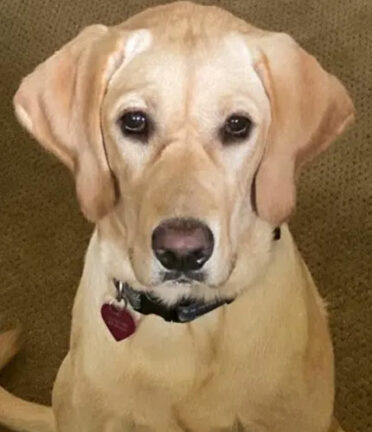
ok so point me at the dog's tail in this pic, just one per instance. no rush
(335, 426)
(16, 413)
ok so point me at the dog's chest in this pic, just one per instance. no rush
(153, 407)
(178, 381)
(211, 376)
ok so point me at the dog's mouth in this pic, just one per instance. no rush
(178, 277)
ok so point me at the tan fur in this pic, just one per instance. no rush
(264, 363)
(302, 127)
(9, 346)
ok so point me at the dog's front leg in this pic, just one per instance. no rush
(73, 406)
(79, 408)
(65, 405)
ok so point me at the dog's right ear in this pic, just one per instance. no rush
(60, 104)
(309, 109)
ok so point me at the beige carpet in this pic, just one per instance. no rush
(43, 236)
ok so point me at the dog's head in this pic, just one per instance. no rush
(185, 129)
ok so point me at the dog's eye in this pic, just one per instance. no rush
(135, 124)
(236, 128)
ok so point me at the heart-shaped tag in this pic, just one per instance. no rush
(120, 322)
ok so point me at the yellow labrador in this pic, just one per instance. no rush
(185, 128)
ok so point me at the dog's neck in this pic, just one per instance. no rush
(262, 302)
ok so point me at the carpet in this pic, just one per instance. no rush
(44, 236)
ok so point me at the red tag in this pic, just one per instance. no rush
(119, 321)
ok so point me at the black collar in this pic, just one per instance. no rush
(182, 312)
(147, 304)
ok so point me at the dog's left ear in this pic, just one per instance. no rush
(309, 109)
(59, 103)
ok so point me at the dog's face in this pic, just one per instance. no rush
(185, 128)
(184, 131)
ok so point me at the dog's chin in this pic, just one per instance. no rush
(171, 291)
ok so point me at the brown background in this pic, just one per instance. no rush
(43, 236)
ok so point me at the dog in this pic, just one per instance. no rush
(185, 129)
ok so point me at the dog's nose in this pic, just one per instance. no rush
(182, 244)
